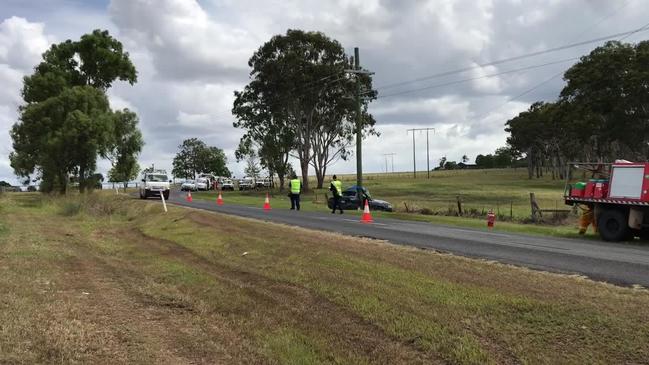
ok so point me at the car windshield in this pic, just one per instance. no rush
(189, 182)
(227, 181)
(202, 180)
(156, 178)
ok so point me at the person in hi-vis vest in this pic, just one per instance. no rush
(296, 188)
(336, 189)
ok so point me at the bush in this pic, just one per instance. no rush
(70, 208)
(93, 204)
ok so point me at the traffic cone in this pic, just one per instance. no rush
(219, 200)
(491, 220)
(267, 203)
(189, 196)
(367, 217)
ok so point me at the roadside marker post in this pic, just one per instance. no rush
(164, 204)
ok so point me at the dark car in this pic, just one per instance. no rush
(349, 201)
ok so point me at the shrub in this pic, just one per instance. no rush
(70, 207)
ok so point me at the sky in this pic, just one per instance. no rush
(192, 55)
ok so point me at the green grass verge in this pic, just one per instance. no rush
(119, 281)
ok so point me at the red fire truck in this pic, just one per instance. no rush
(618, 194)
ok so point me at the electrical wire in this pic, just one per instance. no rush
(535, 87)
(510, 59)
(531, 67)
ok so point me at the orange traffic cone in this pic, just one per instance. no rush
(491, 220)
(219, 200)
(189, 196)
(367, 217)
(267, 203)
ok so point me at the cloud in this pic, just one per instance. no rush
(191, 56)
(184, 41)
(21, 43)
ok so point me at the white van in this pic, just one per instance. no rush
(154, 184)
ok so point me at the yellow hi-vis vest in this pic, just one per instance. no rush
(339, 186)
(296, 185)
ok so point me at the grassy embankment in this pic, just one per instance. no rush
(108, 279)
(506, 191)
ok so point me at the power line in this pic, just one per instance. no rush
(477, 78)
(509, 100)
(510, 59)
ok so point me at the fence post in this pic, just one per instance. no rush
(459, 205)
(535, 207)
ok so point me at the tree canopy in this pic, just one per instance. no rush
(196, 157)
(601, 114)
(299, 98)
(66, 121)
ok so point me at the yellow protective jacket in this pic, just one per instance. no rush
(296, 186)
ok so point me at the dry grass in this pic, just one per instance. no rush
(119, 282)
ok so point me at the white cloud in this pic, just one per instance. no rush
(21, 43)
(184, 41)
(191, 55)
(491, 84)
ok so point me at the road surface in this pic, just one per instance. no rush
(618, 263)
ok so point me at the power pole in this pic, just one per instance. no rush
(413, 130)
(359, 125)
(385, 155)
(359, 122)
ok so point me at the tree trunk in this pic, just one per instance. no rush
(63, 184)
(281, 182)
(125, 185)
(530, 164)
(320, 177)
(82, 179)
(304, 166)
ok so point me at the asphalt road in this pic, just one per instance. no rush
(618, 263)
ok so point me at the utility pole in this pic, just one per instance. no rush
(385, 155)
(359, 126)
(414, 165)
(359, 122)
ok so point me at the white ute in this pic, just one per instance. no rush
(155, 183)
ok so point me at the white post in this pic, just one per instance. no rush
(164, 204)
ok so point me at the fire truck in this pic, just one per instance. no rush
(618, 194)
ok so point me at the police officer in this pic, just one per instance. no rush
(296, 189)
(336, 189)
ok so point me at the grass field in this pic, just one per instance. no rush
(106, 279)
(506, 191)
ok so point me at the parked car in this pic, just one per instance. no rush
(155, 183)
(349, 200)
(263, 183)
(188, 185)
(246, 184)
(202, 183)
(227, 184)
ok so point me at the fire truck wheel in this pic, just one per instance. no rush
(613, 225)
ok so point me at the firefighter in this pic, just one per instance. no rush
(296, 189)
(587, 218)
(336, 189)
